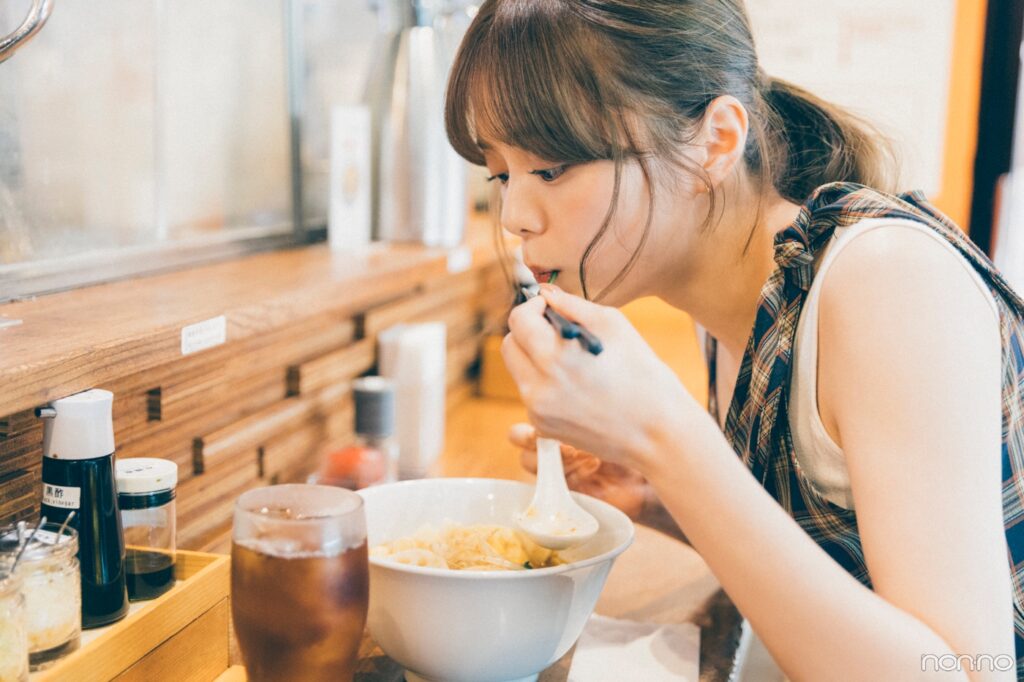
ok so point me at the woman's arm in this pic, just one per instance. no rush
(910, 377)
(929, 472)
(916, 399)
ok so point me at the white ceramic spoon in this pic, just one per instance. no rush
(553, 519)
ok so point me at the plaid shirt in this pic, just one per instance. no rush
(757, 425)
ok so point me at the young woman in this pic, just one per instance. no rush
(859, 493)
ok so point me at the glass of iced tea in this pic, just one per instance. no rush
(299, 581)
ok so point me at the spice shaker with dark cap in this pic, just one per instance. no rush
(373, 456)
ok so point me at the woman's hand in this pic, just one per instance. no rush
(586, 473)
(621, 403)
(615, 484)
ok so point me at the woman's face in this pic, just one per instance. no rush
(558, 209)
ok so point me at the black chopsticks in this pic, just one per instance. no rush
(567, 328)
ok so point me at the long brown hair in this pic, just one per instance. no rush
(584, 80)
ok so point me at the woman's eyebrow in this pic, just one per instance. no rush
(483, 145)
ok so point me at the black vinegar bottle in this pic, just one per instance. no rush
(78, 476)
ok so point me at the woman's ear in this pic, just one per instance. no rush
(724, 134)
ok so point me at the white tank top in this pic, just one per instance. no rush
(818, 456)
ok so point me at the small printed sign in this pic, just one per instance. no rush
(61, 496)
(203, 335)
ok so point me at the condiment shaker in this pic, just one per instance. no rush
(78, 476)
(373, 456)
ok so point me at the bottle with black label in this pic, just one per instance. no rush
(78, 475)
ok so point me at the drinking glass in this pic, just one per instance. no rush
(299, 581)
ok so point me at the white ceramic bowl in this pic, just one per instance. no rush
(470, 626)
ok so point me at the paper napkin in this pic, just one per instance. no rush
(612, 649)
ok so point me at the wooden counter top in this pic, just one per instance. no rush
(74, 340)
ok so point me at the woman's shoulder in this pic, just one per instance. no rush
(893, 261)
(904, 313)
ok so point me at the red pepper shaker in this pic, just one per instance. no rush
(373, 457)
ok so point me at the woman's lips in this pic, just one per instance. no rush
(542, 276)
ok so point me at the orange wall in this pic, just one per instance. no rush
(954, 198)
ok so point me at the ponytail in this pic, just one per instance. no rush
(811, 142)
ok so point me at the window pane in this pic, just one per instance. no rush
(76, 131)
(340, 38)
(143, 123)
(222, 117)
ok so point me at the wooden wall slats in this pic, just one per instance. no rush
(299, 342)
(332, 368)
(20, 467)
(131, 413)
(246, 434)
(339, 421)
(173, 439)
(17, 422)
(14, 445)
(28, 459)
(214, 520)
(206, 502)
(291, 456)
(263, 408)
(257, 428)
(223, 367)
(202, 490)
(179, 395)
(412, 308)
(20, 491)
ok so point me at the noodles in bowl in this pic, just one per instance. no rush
(509, 624)
(478, 547)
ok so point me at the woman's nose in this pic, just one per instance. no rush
(520, 214)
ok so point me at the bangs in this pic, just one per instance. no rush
(526, 76)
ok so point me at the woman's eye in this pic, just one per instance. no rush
(500, 177)
(550, 174)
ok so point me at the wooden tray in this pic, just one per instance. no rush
(181, 635)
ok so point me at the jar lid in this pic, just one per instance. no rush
(140, 475)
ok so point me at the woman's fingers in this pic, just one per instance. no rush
(585, 464)
(578, 466)
(577, 309)
(518, 362)
(523, 436)
(534, 334)
(574, 461)
(528, 459)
